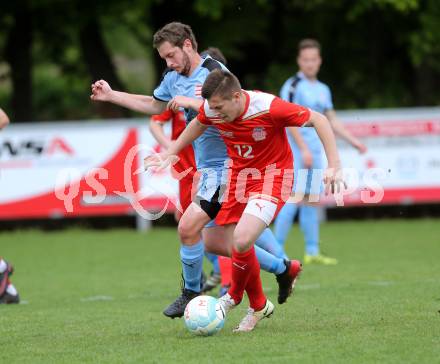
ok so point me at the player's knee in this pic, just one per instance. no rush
(187, 232)
(242, 240)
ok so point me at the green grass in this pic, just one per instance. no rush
(97, 297)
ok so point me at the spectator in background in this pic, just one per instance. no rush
(305, 89)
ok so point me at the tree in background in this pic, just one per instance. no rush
(378, 53)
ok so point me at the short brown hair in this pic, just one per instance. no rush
(176, 33)
(308, 43)
(215, 53)
(221, 83)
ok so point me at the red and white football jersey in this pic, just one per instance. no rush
(258, 138)
(178, 124)
(186, 156)
(257, 144)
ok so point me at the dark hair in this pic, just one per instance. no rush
(221, 83)
(214, 53)
(176, 33)
(308, 43)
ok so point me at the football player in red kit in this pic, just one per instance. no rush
(252, 125)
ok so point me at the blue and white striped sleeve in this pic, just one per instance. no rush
(284, 92)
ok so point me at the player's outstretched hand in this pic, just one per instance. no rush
(362, 148)
(178, 102)
(307, 158)
(101, 91)
(160, 160)
(334, 182)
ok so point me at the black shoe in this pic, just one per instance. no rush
(212, 282)
(287, 279)
(9, 298)
(202, 280)
(177, 308)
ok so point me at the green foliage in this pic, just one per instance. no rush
(60, 93)
(381, 53)
(425, 42)
(403, 6)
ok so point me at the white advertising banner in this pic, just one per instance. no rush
(402, 165)
(64, 169)
(89, 168)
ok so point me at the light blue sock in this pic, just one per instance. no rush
(284, 222)
(192, 262)
(213, 258)
(268, 262)
(268, 242)
(309, 223)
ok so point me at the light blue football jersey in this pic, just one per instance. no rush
(209, 148)
(313, 94)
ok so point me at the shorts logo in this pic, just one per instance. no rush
(259, 134)
(259, 206)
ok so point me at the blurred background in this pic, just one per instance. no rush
(92, 288)
(377, 54)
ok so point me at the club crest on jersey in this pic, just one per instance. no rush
(259, 134)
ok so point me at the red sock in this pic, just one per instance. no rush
(225, 270)
(254, 288)
(242, 265)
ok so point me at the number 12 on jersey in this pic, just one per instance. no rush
(244, 151)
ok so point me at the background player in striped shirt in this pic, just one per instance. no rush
(305, 89)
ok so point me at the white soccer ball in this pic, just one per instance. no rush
(204, 315)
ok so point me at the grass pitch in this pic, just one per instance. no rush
(98, 296)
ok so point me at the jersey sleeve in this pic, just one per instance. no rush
(288, 114)
(201, 117)
(162, 92)
(284, 92)
(328, 104)
(165, 117)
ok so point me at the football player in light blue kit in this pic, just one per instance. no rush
(181, 85)
(305, 89)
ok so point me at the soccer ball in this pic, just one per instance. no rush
(204, 316)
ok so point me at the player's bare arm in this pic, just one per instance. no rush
(156, 129)
(305, 151)
(191, 133)
(340, 130)
(101, 91)
(186, 102)
(4, 119)
(333, 176)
